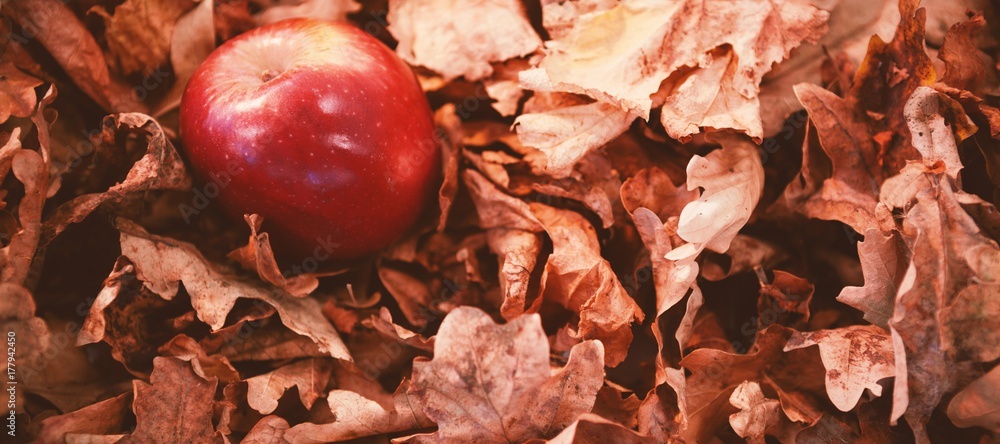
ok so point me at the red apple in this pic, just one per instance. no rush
(319, 128)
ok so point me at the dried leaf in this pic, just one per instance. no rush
(160, 168)
(856, 164)
(106, 416)
(653, 189)
(142, 21)
(384, 324)
(563, 132)
(716, 373)
(502, 390)
(590, 428)
(947, 262)
(175, 406)
(269, 429)
(30, 168)
(56, 27)
(978, 404)
(732, 179)
(453, 40)
(17, 92)
(581, 280)
(358, 416)
(309, 375)
(654, 41)
(496, 209)
(884, 262)
(964, 68)
(758, 415)
(258, 257)
(935, 139)
(855, 357)
(162, 264)
(185, 348)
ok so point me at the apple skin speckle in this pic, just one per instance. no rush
(315, 142)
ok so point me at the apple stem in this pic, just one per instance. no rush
(268, 74)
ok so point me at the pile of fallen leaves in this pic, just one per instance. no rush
(686, 221)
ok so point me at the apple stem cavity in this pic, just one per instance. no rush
(269, 74)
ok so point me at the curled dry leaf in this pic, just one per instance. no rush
(732, 179)
(185, 348)
(893, 70)
(497, 209)
(176, 405)
(565, 128)
(358, 416)
(67, 40)
(160, 168)
(17, 92)
(451, 150)
(940, 302)
(653, 189)
(410, 293)
(978, 404)
(492, 383)
(672, 279)
(855, 357)
(578, 278)
(269, 342)
(310, 376)
(504, 87)
(884, 259)
(454, 40)
(150, 22)
(851, 191)
(258, 257)
(964, 66)
(784, 301)
(716, 373)
(594, 182)
(757, 416)
(269, 429)
(654, 41)
(590, 428)
(618, 405)
(382, 322)
(99, 418)
(518, 255)
(936, 139)
(31, 169)
(163, 264)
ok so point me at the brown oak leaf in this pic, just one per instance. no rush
(150, 22)
(653, 41)
(590, 428)
(453, 40)
(163, 264)
(358, 416)
(855, 357)
(884, 259)
(175, 406)
(978, 404)
(492, 383)
(107, 416)
(17, 92)
(580, 279)
(309, 375)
